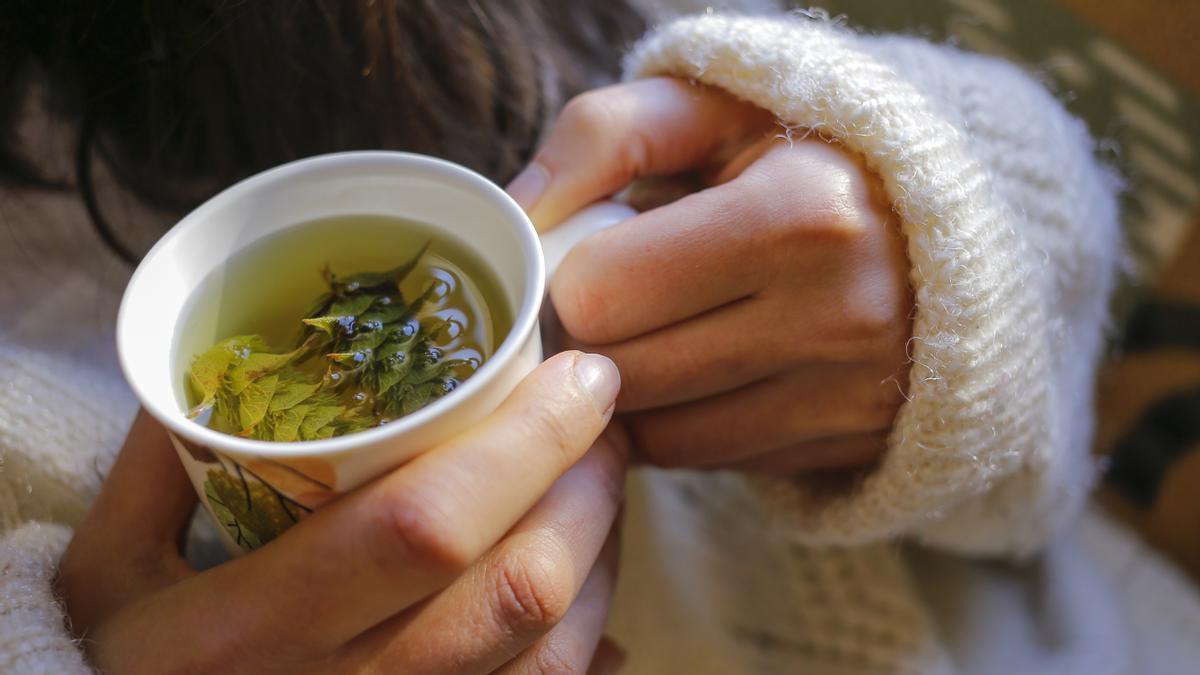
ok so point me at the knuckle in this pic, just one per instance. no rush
(874, 319)
(530, 595)
(824, 217)
(878, 325)
(742, 204)
(413, 529)
(592, 112)
(605, 118)
(824, 211)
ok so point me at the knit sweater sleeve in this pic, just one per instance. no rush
(1012, 236)
(33, 634)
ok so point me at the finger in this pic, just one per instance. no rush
(842, 452)
(520, 589)
(663, 266)
(713, 353)
(606, 138)
(608, 659)
(571, 645)
(803, 218)
(813, 402)
(409, 534)
(127, 545)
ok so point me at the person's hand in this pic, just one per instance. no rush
(489, 553)
(759, 323)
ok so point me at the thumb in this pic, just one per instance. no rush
(607, 138)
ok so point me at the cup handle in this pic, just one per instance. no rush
(591, 219)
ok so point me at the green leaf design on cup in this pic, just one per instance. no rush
(251, 511)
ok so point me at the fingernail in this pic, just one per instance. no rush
(528, 186)
(599, 377)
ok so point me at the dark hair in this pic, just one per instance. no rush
(178, 99)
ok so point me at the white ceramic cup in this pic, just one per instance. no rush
(281, 482)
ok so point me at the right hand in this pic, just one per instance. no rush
(489, 553)
(760, 323)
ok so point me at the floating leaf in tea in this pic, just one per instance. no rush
(366, 354)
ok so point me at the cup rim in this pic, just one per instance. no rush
(524, 322)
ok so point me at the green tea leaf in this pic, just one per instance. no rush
(352, 305)
(320, 306)
(417, 304)
(368, 280)
(286, 427)
(401, 272)
(225, 413)
(205, 376)
(292, 392)
(433, 327)
(392, 354)
(405, 335)
(385, 313)
(256, 365)
(318, 418)
(255, 400)
(244, 345)
(462, 368)
(429, 366)
(367, 340)
(392, 363)
(377, 355)
(359, 423)
(332, 325)
(419, 397)
(358, 282)
(351, 361)
(324, 432)
(209, 369)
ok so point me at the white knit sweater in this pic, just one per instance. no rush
(1012, 235)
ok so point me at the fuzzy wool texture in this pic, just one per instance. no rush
(706, 587)
(33, 640)
(1013, 239)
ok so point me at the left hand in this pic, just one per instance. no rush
(759, 323)
(492, 552)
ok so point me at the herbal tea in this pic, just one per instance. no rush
(336, 326)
